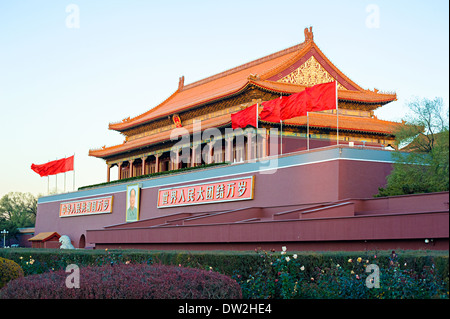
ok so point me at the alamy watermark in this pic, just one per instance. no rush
(73, 279)
(373, 17)
(373, 280)
(73, 17)
(234, 145)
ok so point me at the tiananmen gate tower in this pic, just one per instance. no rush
(187, 180)
(147, 136)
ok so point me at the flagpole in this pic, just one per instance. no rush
(48, 184)
(337, 117)
(307, 130)
(257, 121)
(281, 139)
(65, 176)
(256, 135)
(73, 189)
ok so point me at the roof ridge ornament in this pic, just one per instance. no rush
(254, 77)
(309, 36)
(181, 83)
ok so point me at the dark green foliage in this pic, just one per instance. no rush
(267, 274)
(415, 173)
(342, 275)
(16, 210)
(422, 166)
(9, 270)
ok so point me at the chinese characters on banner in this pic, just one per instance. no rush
(86, 207)
(207, 193)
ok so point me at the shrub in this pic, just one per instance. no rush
(267, 274)
(36, 261)
(9, 270)
(126, 281)
(294, 276)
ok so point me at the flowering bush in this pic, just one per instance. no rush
(9, 270)
(274, 274)
(125, 281)
(280, 277)
(296, 276)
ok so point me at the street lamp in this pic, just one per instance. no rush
(4, 232)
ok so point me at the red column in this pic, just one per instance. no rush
(157, 163)
(131, 168)
(229, 149)
(108, 171)
(119, 165)
(143, 165)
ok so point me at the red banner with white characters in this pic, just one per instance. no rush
(207, 193)
(86, 207)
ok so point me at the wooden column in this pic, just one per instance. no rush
(143, 165)
(194, 156)
(262, 143)
(211, 152)
(208, 153)
(229, 149)
(119, 174)
(171, 165)
(172, 159)
(157, 162)
(176, 165)
(108, 172)
(250, 146)
(239, 150)
(131, 168)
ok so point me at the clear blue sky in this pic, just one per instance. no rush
(60, 87)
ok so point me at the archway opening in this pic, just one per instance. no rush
(82, 242)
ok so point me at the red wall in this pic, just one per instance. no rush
(327, 181)
(401, 222)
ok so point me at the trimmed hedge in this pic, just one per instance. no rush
(125, 281)
(36, 261)
(257, 271)
(9, 270)
(348, 276)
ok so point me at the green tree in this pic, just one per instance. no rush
(422, 164)
(17, 210)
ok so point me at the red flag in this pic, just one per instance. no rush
(322, 97)
(319, 97)
(245, 117)
(54, 167)
(271, 110)
(293, 106)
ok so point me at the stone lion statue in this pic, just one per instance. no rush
(65, 242)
